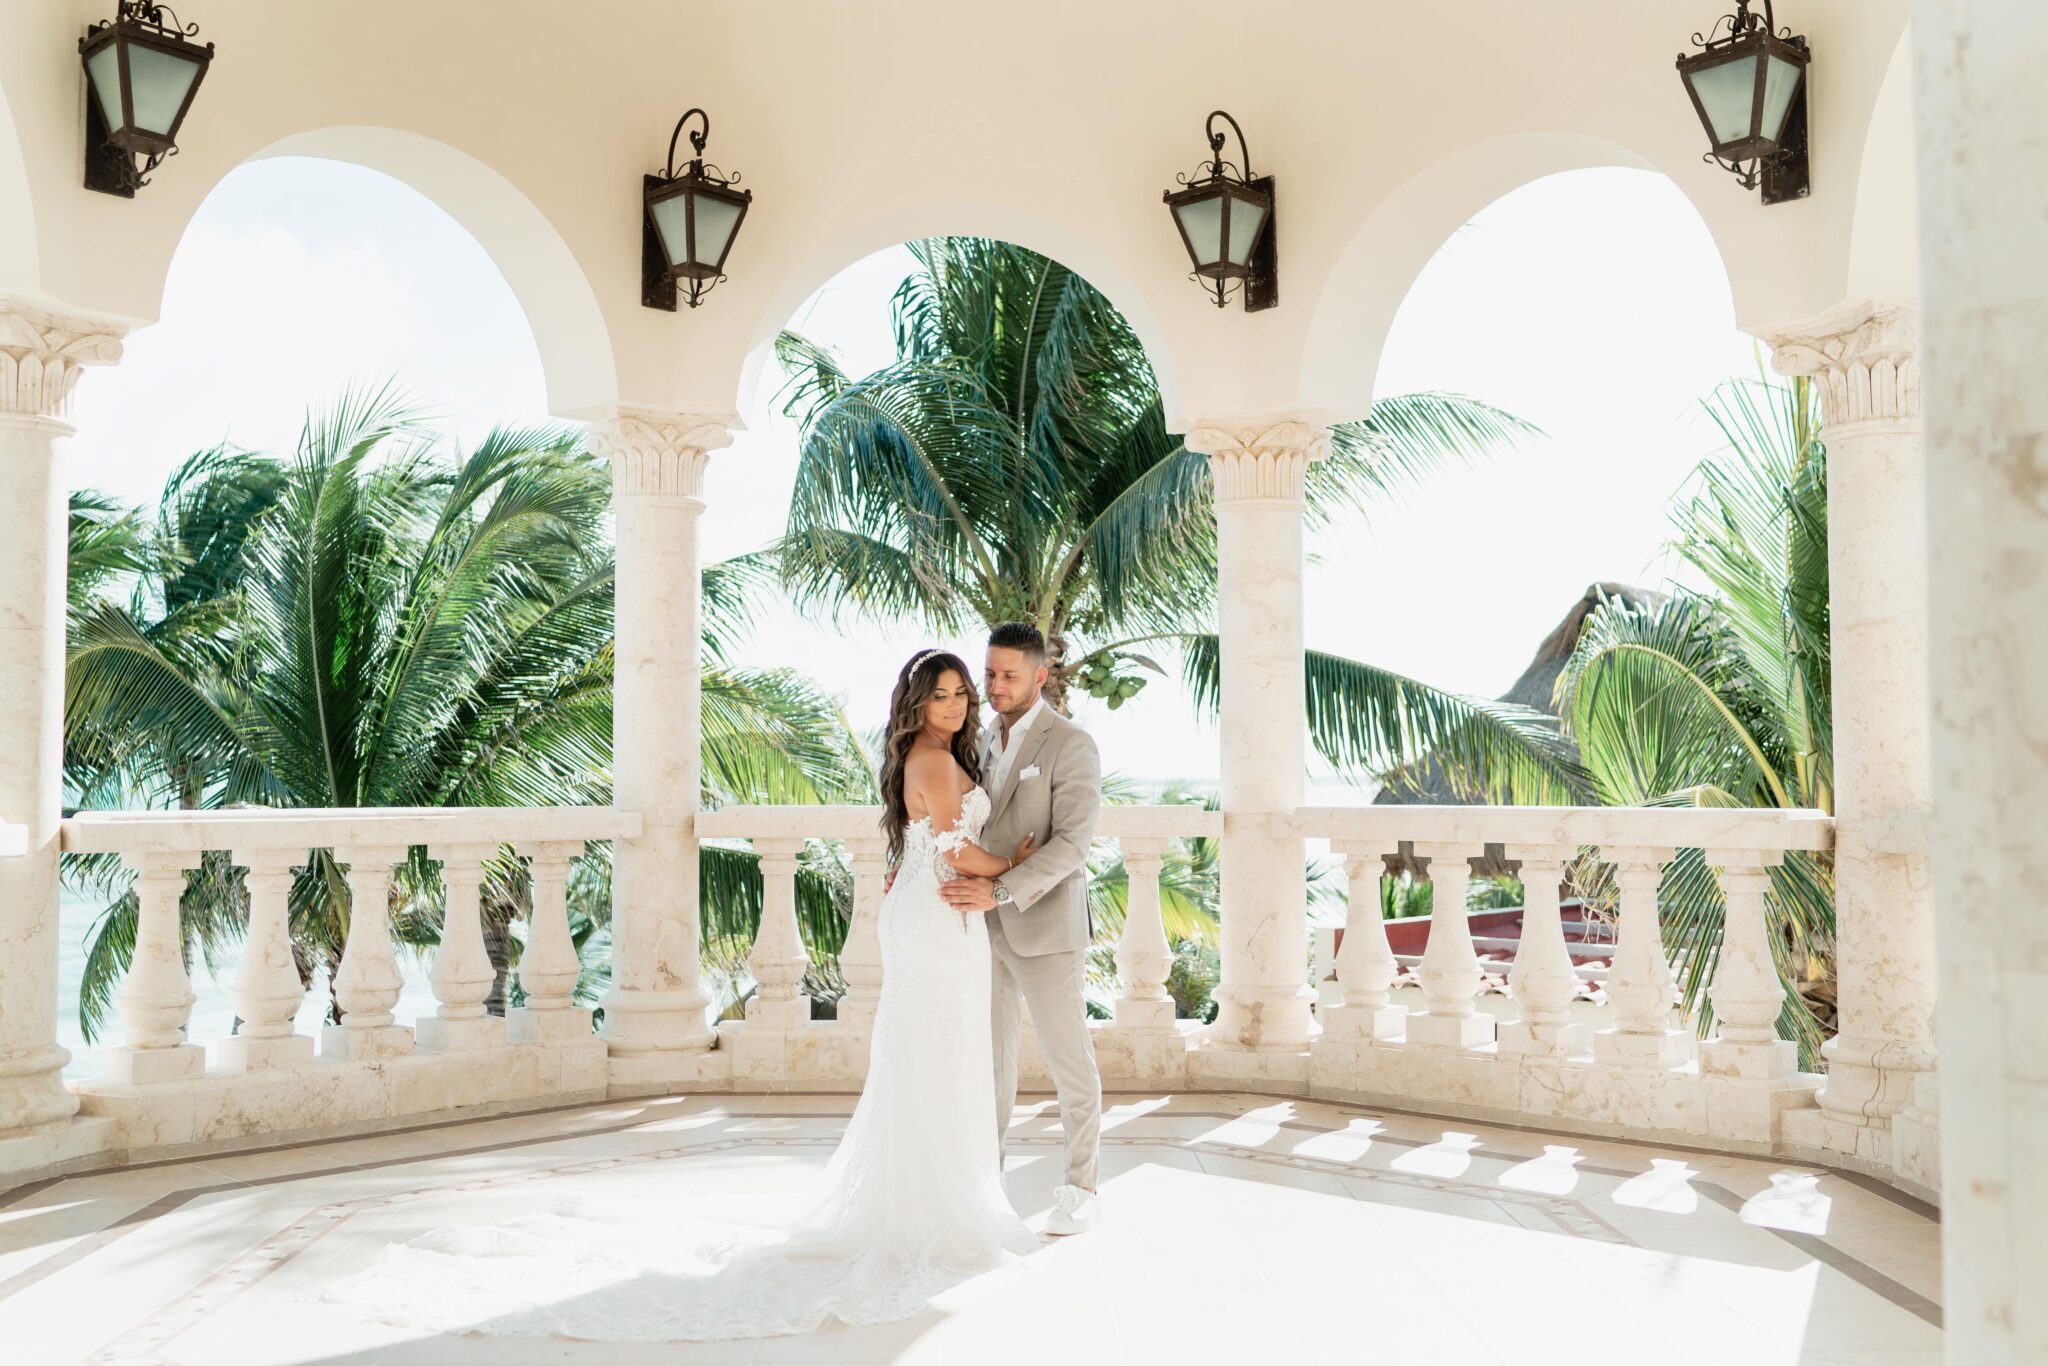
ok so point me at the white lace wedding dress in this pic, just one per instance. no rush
(911, 1203)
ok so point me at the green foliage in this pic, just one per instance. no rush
(1014, 463)
(379, 621)
(1722, 700)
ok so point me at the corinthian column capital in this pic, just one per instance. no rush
(656, 453)
(1262, 459)
(42, 355)
(1864, 359)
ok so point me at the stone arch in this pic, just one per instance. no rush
(20, 263)
(845, 243)
(568, 326)
(1357, 303)
(1884, 242)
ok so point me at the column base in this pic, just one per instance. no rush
(1667, 1048)
(145, 1066)
(648, 1023)
(32, 1089)
(1750, 1061)
(1545, 1040)
(239, 1054)
(1260, 1020)
(1366, 1022)
(1872, 1078)
(365, 1045)
(526, 1025)
(1450, 1031)
(436, 1035)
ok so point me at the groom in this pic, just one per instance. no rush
(1044, 780)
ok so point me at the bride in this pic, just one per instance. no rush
(912, 1200)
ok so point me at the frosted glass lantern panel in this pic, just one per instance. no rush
(1246, 219)
(672, 224)
(158, 82)
(1727, 92)
(716, 220)
(1202, 221)
(104, 68)
(1781, 82)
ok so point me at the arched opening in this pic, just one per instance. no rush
(824, 263)
(1592, 305)
(298, 279)
(857, 656)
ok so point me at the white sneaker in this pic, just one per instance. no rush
(1074, 1210)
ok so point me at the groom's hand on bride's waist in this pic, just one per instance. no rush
(970, 893)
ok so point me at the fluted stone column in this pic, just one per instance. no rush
(1260, 466)
(41, 357)
(1981, 114)
(1864, 361)
(657, 1001)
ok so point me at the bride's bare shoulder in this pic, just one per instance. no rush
(933, 767)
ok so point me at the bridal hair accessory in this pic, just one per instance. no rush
(918, 663)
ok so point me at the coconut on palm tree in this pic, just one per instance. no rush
(379, 622)
(1014, 463)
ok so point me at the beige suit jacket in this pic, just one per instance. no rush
(1052, 792)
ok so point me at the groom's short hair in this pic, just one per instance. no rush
(1019, 635)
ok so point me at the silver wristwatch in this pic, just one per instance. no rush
(1003, 897)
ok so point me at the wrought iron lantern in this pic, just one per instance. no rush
(141, 70)
(692, 218)
(1225, 218)
(1748, 86)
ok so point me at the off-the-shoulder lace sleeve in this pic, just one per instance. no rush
(951, 841)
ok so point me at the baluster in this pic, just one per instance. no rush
(1450, 972)
(1746, 992)
(548, 966)
(367, 984)
(860, 958)
(155, 998)
(778, 960)
(1639, 986)
(462, 975)
(1542, 980)
(1143, 957)
(1365, 960)
(267, 987)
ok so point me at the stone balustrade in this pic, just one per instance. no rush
(163, 1090)
(780, 1043)
(1637, 1075)
(369, 1067)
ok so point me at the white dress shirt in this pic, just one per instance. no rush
(996, 756)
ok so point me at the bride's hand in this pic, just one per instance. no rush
(1024, 851)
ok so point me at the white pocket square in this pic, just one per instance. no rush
(1031, 772)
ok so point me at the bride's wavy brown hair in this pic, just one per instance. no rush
(914, 687)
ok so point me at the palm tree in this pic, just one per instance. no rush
(1722, 699)
(1014, 463)
(372, 623)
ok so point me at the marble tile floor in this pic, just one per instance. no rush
(1239, 1229)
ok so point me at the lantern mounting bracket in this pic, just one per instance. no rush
(110, 167)
(1784, 172)
(658, 287)
(1261, 279)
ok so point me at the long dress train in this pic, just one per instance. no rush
(910, 1205)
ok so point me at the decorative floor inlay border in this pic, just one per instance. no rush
(142, 1343)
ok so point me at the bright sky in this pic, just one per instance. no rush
(1592, 304)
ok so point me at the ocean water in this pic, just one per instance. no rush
(213, 1012)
